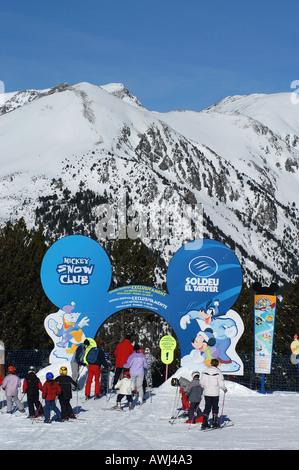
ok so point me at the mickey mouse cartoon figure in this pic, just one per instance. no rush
(203, 351)
(211, 319)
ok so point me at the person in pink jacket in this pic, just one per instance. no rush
(137, 364)
(11, 384)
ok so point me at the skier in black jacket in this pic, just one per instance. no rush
(31, 386)
(66, 382)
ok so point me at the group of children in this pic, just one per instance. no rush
(209, 384)
(60, 387)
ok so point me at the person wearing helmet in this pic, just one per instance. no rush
(11, 385)
(126, 388)
(194, 393)
(32, 385)
(51, 390)
(66, 383)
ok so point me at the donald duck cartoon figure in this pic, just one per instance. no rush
(65, 329)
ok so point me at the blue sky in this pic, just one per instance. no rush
(171, 54)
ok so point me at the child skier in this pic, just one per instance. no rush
(212, 381)
(11, 384)
(31, 386)
(126, 388)
(65, 382)
(194, 394)
(184, 384)
(51, 390)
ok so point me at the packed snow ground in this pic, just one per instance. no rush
(261, 422)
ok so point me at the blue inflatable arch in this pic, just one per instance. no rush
(204, 279)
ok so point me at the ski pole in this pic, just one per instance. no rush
(109, 395)
(108, 379)
(81, 369)
(222, 410)
(3, 402)
(77, 396)
(194, 414)
(149, 387)
(175, 411)
(36, 412)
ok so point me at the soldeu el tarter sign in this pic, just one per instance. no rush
(204, 279)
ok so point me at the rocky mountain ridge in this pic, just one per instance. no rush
(90, 159)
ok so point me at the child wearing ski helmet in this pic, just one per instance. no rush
(11, 385)
(32, 385)
(51, 390)
(65, 382)
(126, 388)
(212, 381)
(194, 393)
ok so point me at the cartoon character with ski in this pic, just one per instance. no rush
(65, 327)
(220, 328)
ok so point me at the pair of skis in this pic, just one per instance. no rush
(225, 424)
(119, 408)
(180, 414)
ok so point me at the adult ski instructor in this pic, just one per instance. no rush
(123, 350)
(94, 357)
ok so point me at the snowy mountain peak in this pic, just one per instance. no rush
(276, 111)
(120, 91)
(238, 159)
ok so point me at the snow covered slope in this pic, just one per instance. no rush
(146, 428)
(68, 151)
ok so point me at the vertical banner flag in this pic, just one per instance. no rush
(264, 322)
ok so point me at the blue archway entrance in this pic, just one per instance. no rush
(204, 279)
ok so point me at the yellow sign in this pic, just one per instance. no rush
(167, 345)
(295, 346)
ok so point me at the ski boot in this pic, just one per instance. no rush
(215, 423)
(205, 423)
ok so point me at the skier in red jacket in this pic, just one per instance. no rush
(51, 390)
(123, 350)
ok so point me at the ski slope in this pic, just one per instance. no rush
(261, 422)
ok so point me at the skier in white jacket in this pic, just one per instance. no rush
(126, 388)
(212, 381)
